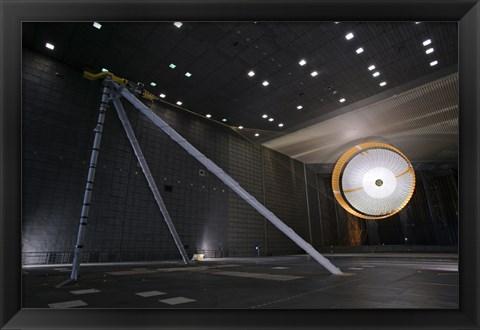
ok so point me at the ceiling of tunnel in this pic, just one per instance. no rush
(411, 103)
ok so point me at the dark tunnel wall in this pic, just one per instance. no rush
(59, 113)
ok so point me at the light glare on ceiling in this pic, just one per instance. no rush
(299, 107)
(224, 119)
(341, 100)
(251, 73)
(104, 70)
(97, 25)
(427, 42)
(302, 62)
(50, 46)
(163, 96)
(256, 134)
(172, 66)
(265, 83)
(188, 74)
(264, 116)
(360, 50)
(376, 74)
(179, 103)
(428, 51)
(240, 127)
(383, 83)
(270, 119)
(280, 125)
(371, 67)
(349, 36)
(178, 24)
(433, 63)
(314, 73)
(153, 84)
(208, 116)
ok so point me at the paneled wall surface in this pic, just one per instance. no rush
(59, 112)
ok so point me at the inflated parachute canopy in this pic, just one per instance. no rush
(373, 180)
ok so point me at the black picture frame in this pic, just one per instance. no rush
(13, 12)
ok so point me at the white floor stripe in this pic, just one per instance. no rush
(280, 267)
(355, 268)
(85, 291)
(131, 272)
(68, 304)
(150, 293)
(176, 301)
(273, 277)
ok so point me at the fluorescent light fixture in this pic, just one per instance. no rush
(49, 46)
(163, 96)
(256, 134)
(240, 127)
(349, 36)
(265, 83)
(428, 51)
(341, 100)
(270, 119)
(172, 66)
(427, 42)
(104, 70)
(178, 24)
(188, 74)
(302, 62)
(337, 22)
(153, 84)
(264, 116)
(280, 125)
(417, 22)
(97, 25)
(371, 67)
(376, 74)
(251, 73)
(299, 107)
(224, 119)
(360, 50)
(383, 83)
(433, 63)
(179, 103)
(314, 73)
(208, 116)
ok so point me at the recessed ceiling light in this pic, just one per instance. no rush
(188, 74)
(427, 42)
(240, 127)
(337, 22)
(428, 51)
(376, 74)
(265, 83)
(104, 70)
(302, 62)
(264, 116)
(97, 25)
(178, 24)
(314, 73)
(417, 22)
(270, 119)
(349, 36)
(256, 134)
(280, 125)
(341, 100)
(299, 107)
(179, 103)
(383, 83)
(433, 63)
(360, 50)
(224, 119)
(371, 67)
(251, 73)
(163, 96)
(153, 84)
(49, 46)
(172, 66)
(208, 116)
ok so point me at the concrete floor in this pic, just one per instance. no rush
(291, 282)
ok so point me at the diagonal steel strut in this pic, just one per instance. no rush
(148, 175)
(229, 181)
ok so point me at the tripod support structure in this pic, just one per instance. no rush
(115, 87)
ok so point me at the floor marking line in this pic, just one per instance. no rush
(85, 291)
(150, 294)
(430, 283)
(273, 277)
(68, 304)
(176, 300)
